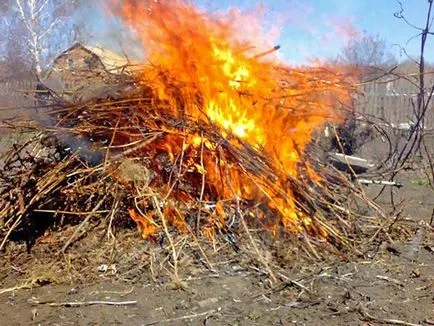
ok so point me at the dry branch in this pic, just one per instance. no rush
(142, 158)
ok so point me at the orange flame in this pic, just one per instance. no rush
(270, 106)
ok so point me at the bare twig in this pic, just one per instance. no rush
(82, 225)
(368, 317)
(192, 316)
(388, 279)
(82, 303)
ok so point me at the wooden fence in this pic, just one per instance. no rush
(16, 98)
(393, 102)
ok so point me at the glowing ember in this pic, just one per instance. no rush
(202, 60)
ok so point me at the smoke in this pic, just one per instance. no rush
(110, 33)
(343, 29)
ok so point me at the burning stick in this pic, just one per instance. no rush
(263, 54)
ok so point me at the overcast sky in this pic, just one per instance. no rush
(317, 29)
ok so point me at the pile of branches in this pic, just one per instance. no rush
(129, 157)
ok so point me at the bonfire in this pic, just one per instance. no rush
(210, 135)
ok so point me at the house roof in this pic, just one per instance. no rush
(112, 62)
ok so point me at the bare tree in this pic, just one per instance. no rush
(14, 57)
(425, 92)
(416, 142)
(366, 58)
(5, 5)
(42, 26)
(368, 55)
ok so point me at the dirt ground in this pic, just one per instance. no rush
(116, 285)
(395, 286)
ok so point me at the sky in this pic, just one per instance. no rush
(313, 29)
(318, 29)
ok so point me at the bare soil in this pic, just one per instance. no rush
(398, 284)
